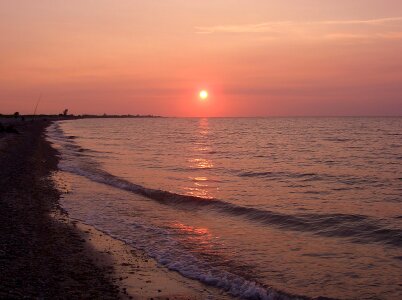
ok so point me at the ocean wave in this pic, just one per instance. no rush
(357, 228)
(156, 242)
(306, 177)
(217, 269)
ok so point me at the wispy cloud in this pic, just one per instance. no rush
(323, 29)
(351, 36)
(378, 21)
(246, 28)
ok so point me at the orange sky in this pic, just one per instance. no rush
(256, 58)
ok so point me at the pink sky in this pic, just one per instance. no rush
(255, 57)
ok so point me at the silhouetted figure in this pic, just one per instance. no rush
(16, 114)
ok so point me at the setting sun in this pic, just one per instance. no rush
(203, 95)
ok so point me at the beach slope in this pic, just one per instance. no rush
(40, 257)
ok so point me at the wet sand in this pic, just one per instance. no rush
(138, 275)
(45, 254)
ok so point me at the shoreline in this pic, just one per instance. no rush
(40, 257)
(46, 254)
(138, 275)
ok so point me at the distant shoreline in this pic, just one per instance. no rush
(7, 118)
(74, 117)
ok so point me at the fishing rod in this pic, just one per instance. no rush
(37, 104)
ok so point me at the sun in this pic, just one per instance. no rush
(203, 95)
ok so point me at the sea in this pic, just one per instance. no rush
(261, 208)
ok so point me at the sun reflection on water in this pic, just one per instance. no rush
(201, 236)
(200, 185)
(201, 163)
(191, 229)
(203, 127)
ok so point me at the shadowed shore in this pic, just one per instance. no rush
(39, 256)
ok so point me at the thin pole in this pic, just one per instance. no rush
(37, 104)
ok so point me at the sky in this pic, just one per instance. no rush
(254, 57)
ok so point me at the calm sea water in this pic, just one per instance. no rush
(306, 206)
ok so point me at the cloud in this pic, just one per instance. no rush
(331, 29)
(351, 36)
(246, 28)
(357, 22)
